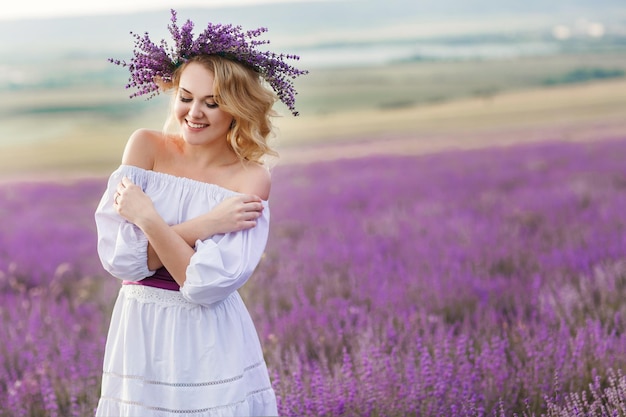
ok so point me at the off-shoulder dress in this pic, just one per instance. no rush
(191, 351)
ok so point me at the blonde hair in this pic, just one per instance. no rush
(240, 92)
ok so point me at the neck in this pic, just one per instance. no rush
(214, 154)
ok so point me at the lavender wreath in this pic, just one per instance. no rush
(151, 62)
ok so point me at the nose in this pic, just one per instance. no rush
(195, 110)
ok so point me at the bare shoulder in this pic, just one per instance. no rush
(142, 147)
(254, 178)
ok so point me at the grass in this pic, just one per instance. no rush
(428, 82)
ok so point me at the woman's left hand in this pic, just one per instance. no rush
(132, 203)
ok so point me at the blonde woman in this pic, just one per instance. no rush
(183, 223)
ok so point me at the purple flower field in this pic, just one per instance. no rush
(469, 283)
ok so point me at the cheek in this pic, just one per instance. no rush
(220, 117)
(179, 110)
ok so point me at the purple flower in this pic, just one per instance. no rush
(152, 62)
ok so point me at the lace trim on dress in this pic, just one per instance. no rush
(200, 410)
(188, 384)
(147, 294)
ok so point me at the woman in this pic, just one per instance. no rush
(183, 223)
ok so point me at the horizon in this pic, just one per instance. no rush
(337, 34)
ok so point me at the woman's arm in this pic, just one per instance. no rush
(231, 215)
(169, 246)
(134, 205)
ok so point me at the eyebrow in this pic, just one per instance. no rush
(189, 92)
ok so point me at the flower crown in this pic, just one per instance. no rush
(153, 62)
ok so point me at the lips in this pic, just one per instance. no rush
(196, 125)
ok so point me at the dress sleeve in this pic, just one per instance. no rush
(223, 263)
(122, 246)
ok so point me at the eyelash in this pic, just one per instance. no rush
(189, 100)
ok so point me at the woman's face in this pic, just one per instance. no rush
(200, 118)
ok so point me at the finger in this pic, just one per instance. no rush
(126, 182)
(251, 198)
(257, 208)
(254, 207)
(249, 224)
(253, 215)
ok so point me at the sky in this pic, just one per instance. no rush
(23, 9)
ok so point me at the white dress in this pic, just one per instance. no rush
(193, 352)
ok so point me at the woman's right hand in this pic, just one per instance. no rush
(236, 213)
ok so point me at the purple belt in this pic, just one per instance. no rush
(160, 279)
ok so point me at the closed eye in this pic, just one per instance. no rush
(189, 100)
(209, 105)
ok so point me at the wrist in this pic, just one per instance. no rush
(198, 228)
(149, 222)
(209, 225)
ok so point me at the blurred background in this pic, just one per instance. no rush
(401, 75)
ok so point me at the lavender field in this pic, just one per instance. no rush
(473, 283)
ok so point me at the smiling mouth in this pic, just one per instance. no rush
(196, 125)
